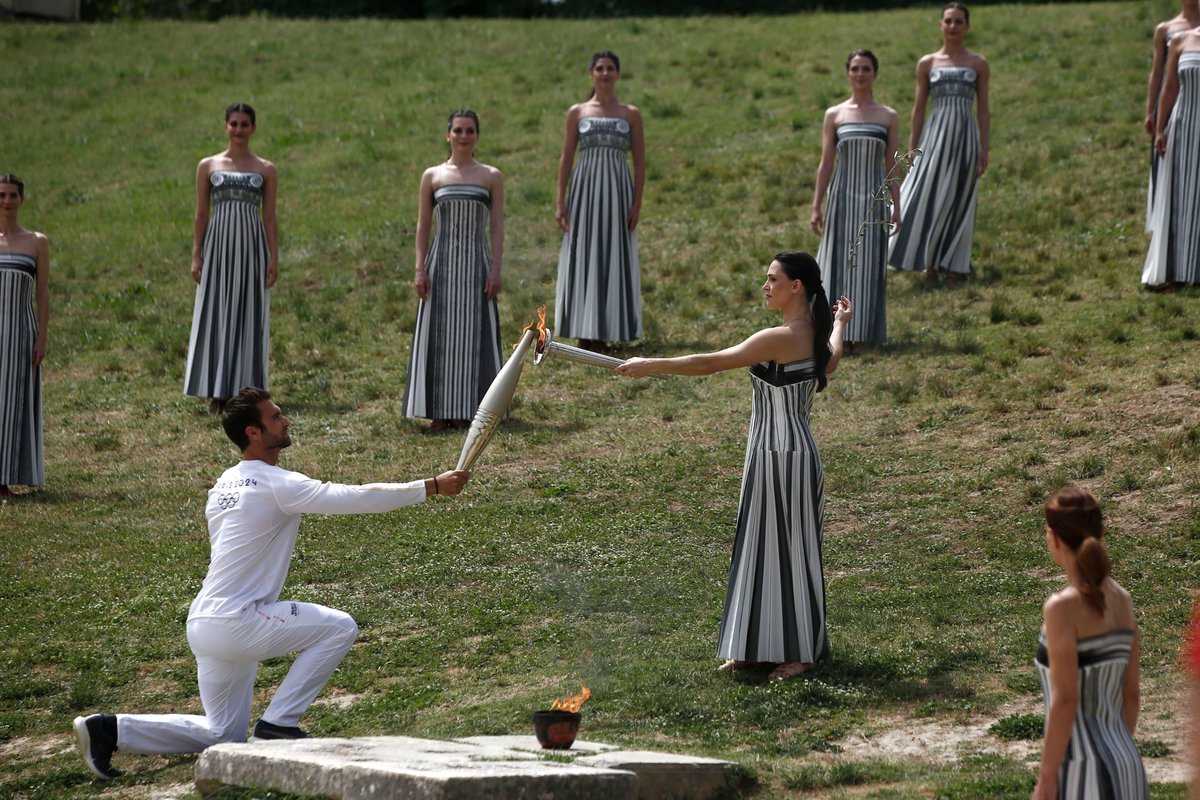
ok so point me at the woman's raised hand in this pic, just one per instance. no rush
(843, 309)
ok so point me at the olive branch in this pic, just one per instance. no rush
(903, 162)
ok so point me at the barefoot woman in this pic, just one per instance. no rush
(235, 261)
(775, 603)
(599, 293)
(25, 299)
(456, 343)
(937, 199)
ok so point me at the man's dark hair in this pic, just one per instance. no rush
(241, 411)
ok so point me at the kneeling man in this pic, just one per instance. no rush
(238, 620)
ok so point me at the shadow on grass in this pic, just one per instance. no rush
(48, 496)
(885, 679)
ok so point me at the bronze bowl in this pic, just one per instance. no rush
(556, 730)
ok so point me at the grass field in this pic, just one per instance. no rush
(593, 544)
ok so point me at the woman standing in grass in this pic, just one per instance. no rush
(599, 294)
(235, 261)
(775, 602)
(1174, 255)
(937, 199)
(1087, 659)
(1164, 32)
(25, 299)
(860, 135)
(456, 347)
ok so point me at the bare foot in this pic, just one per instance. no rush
(790, 670)
(733, 665)
(439, 425)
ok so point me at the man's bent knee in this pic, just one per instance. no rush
(348, 630)
(231, 734)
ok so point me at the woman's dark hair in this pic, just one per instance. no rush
(241, 108)
(803, 267)
(1074, 518)
(240, 412)
(611, 56)
(462, 112)
(959, 6)
(867, 54)
(8, 177)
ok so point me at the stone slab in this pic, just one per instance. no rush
(406, 768)
(396, 767)
(666, 775)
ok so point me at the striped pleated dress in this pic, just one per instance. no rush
(21, 457)
(1174, 255)
(857, 178)
(231, 326)
(1102, 761)
(1152, 188)
(937, 198)
(599, 292)
(775, 603)
(456, 345)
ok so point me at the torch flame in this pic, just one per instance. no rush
(573, 702)
(540, 327)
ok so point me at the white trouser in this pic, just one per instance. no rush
(227, 653)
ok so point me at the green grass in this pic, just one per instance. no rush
(593, 544)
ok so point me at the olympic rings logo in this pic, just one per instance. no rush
(230, 500)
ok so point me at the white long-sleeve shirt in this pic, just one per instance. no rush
(253, 514)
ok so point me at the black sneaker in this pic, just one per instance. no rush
(97, 737)
(264, 730)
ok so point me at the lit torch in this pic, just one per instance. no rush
(547, 347)
(494, 404)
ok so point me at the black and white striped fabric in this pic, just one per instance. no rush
(21, 458)
(775, 603)
(1152, 188)
(231, 327)
(1102, 761)
(937, 198)
(1174, 255)
(857, 178)
(456, 346)
(599, 292)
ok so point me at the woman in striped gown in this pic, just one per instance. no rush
(456, 346)
(860, 135)
(235, 262)
(1087, 660)
(1164, 32)
(937, 199)
(25, 298)
(775, 601)
(1174, 256)
(599, 293)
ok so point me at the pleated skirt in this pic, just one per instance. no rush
(22, 458)
(231, 327)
